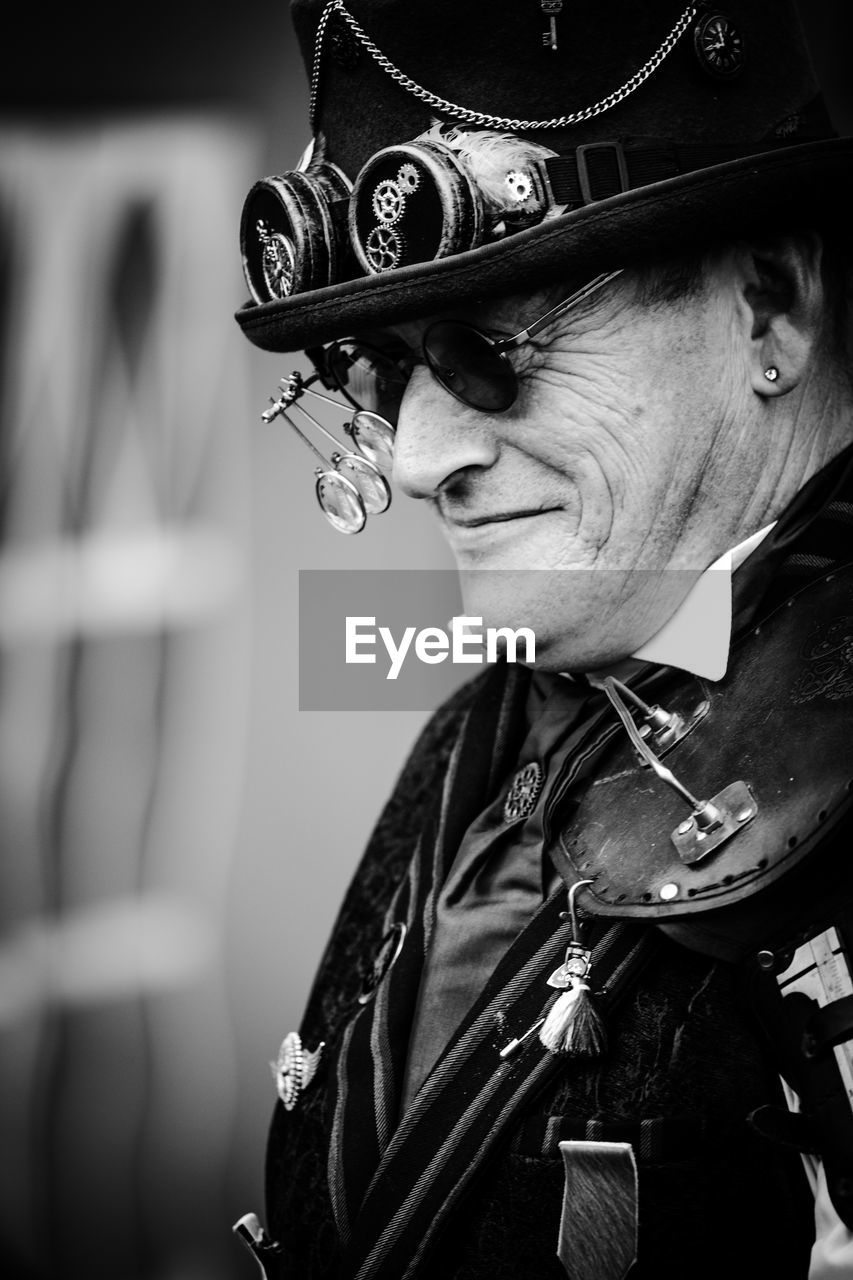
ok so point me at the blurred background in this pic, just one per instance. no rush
(175, 834)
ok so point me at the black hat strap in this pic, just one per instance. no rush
(598, 170)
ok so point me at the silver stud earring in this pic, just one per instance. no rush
(771, 373)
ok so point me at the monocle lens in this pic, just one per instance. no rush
(373, 436)
(368, 479)
(341, 502)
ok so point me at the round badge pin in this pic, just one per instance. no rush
(523, 792)
(294, 1068)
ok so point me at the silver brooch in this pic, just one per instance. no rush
(294, 1068)
(524, 792)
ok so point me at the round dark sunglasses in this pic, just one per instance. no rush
(473, 366)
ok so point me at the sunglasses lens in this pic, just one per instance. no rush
(341, 502)
(373, 437)
(467, 365)
(368, 377)
(370, 482)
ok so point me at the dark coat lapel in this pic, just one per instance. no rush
(465, 1108)
(392, 1186)
(368, 1084)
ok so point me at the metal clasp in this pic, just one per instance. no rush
(268, 1253)
(581, 154)
(714, 821)
(386, 957)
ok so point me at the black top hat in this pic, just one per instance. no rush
(521, 140)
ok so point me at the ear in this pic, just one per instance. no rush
(784, 295)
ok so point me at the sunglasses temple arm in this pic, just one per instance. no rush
(580, 296)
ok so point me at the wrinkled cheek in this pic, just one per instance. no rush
(599, 498)
(623, 483)
(600, 456)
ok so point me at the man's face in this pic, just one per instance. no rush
(623, 461)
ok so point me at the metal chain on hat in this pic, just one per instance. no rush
(481, 117)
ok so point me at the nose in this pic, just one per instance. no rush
(438, 438)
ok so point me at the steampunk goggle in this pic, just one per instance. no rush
(447, 191)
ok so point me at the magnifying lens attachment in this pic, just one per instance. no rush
(340, 501)
(372, 486)
(373, 437)
(349, 486)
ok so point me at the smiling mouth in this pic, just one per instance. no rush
(497, 517)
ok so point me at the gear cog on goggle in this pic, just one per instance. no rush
(389, 201)
(278, 261)
(519, 184)
(408, 178)
(384, 248)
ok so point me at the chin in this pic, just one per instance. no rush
(557, 605)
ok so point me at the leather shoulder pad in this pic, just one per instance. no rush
(780, 725)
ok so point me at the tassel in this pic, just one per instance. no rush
(573, 1024)
(589, 1034)
(556, 1031)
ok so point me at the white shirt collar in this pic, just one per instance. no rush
(698, 635)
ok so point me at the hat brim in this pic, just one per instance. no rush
(804, 185)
